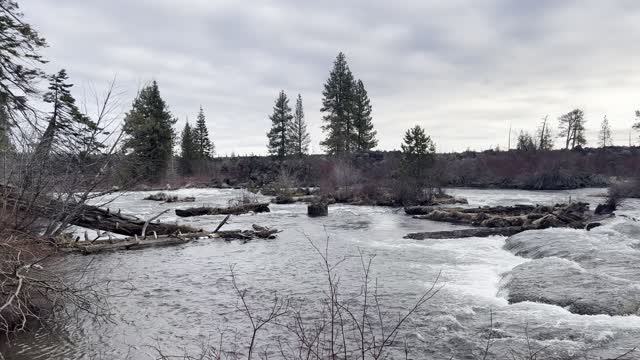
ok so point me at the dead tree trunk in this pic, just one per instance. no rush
(235, 210)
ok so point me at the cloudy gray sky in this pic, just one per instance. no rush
(464, 70)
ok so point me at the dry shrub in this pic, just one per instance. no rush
(34, 287)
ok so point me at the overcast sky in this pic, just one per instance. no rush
(464, 70)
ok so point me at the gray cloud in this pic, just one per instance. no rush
(465, 70)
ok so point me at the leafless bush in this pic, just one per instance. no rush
(617, 193)
(31, 291)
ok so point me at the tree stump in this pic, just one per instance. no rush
(318, 209)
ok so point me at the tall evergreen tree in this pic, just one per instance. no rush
(365, 136)
(418, 159)
(298, 135)
(572, 128)
(337, 105)
(189, 151)
(19, 59)
(204, 147)
(149, 126)
(67, 127)
(281, 120)
(604, 137)
(417, 143)
(543, 136)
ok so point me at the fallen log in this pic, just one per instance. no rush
(284, 199)
(131, 244)
(169, 198)
(466, 233)
(418, 210)
(93, 217)
(137, 243)
(235, 210)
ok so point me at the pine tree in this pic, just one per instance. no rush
(544, 137)
(19, 60)
(67, 128)
(578, 138)
(337, 105)
(418, 158)
(298, 135)
(365, 136)
(572, 129)
(604, 137)
(149, 126)
(281, 120)
(189, 151)
(417, 143)
(204, 147)
(525, 142)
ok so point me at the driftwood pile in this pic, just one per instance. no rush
(154, 240)
(92, 217)
(503, 220)
(234, 210)
(164, 197)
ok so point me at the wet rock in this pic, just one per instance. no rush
(318, 209)
(592, 225)
(564, 283)
(604, 209)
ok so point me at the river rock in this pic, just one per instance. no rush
(318, 209)
(592, 225)
(564, 283)
(604, 209)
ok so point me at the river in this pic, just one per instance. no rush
(178, 298)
